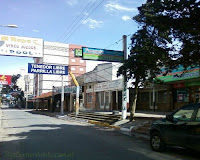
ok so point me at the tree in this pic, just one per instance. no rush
(168, 37)
(13, 87)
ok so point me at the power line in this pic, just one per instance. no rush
(63, 35)
(117, 42)
(84, 20)
(95, 72)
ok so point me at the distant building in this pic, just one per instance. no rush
(58, 54)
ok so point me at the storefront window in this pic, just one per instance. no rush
(89, 97)
(144, 97)
(162, 97)
(183, 95)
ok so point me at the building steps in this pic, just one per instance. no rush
(104, 118)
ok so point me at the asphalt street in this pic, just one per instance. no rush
(33, 137)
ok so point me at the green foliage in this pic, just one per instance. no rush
(13, 87)
(166, 27)
(168, 36)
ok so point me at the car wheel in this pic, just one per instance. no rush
(156, 141)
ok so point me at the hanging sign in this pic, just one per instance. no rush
(47, 69)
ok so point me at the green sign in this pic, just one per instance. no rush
(78, 52)
(102, 54)
(178, 75)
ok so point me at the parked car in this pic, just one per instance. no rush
(181, 128)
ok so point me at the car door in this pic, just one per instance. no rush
(176, 132)
(193, 138)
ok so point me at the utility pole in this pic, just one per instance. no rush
(124, 91)
(62, 99)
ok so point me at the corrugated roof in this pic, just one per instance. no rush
(44, 95)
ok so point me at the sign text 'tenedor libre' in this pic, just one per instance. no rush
(21, 46)
(47, 69)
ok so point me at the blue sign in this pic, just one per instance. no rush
(47, 69)
(102, 54)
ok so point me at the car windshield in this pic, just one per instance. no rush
(185, 113)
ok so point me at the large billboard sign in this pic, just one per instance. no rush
(102, 54)
(47, 69)
(21, 46)
(5, 79)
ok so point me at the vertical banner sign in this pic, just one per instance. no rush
(102, 54)
(21, 46)
(47, 69)
(5, 79)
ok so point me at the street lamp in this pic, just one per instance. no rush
(10, 25)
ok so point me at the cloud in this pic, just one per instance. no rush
(93, 23)
(115, 7)
(71, 2)
(126, 18)
(35, 30)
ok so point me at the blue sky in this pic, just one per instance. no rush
(51, 19)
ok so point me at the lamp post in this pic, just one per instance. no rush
(10, 26)
(27, 81)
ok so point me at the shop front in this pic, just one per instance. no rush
(185, 86)
(108, 95)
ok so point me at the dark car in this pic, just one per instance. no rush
(181, 128)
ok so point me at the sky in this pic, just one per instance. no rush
(91, 23)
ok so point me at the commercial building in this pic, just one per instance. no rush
(179, 88)
(58, 54)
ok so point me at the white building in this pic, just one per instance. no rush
(58, 54)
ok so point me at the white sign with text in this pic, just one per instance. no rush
(21, 46)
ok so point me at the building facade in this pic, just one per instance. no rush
(58, 54)
(180, 88)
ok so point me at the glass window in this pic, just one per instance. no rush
(183, 95)
(73, 68)
(81, 69)
(89, 97)
(198, 116)
(81, 61)
(73, 60)
(162, 96)
(184, 114)
(144, 97)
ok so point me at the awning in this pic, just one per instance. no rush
(44, 95)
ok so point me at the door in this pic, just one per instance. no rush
(101, 100)
(151, 100)
(107, 100)
(193, 138)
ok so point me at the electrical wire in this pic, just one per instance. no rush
(84, 20)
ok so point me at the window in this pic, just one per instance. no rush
(198, 116)
(81, 69)
(182, 95)
(73, 68)
(184, 114)
(73, 60)
(89, 97)
(162, 96)
(81, 61)
(144, 97)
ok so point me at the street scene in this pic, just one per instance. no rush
(32, 136)
(97, 79)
